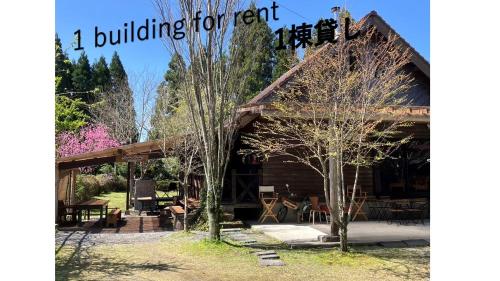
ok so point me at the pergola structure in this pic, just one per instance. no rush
(67, 168)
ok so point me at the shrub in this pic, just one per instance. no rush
(88, 186)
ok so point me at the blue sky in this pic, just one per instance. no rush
(410, 18)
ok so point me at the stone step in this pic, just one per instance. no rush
(393, 244)
(416, 242)
(228, 230)
(269, 257)
(266, 262)
(260, 253)
(249, 241)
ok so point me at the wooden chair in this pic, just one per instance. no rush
(359, 201)
(268, 198)
(64, 211)
(315, 208)
(113, 217)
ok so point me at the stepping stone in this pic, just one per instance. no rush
(260, 253)
(393, 244)
(416, 242)
(249, 241)
(230, 230)
(263, 262)
(269, 256)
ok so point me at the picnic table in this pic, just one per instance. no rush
(192, 203)
(91, 204)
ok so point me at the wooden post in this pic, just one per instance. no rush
(129, 182)
(57, 186)
(233, 185)
(74, 174)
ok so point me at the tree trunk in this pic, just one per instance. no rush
(213, 216)
(185, 207)
(332, 176)
(334, 228)
(343, 233)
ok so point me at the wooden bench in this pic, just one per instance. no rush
(113, 217)
(178, 216)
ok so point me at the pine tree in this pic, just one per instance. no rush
(117, 72)
(284, 59)
(82, 79)
(120, 101)
(310, 49)
(63, 68)
(101, 75)
(253, 45)
(167, 97)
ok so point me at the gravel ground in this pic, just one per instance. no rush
(85, 239)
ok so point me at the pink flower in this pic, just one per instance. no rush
(91, 138)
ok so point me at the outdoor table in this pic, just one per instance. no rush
(91, 204)
(268, 204)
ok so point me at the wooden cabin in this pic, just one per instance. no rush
(406, 175)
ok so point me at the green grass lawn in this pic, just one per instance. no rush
(117, 199)
(183, 257)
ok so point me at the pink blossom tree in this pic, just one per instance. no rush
(91, 138)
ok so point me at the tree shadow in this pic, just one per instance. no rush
(404, 262)
(83, 259)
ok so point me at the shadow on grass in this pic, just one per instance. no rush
(82, 259)
(405, 263)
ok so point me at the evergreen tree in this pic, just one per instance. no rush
(101, 75)
(82, 79)
(284, 59)
(63, 68)
(253, 54)
(70, 114)
(167, 97)
(120, 102)
(117, 72)
(310, 49)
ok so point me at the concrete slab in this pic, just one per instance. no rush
(373, 231)
(230, 230)
(416, 243)
(362, 232)
(260, 253)
(271, 262)
(289, 233)
(393, 244)
(269, 257)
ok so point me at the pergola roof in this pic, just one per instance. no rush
(147, 150)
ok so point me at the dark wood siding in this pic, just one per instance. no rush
(303, 180)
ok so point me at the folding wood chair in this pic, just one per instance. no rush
(268, 198)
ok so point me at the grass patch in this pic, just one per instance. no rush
(116, 199)
(187, 256)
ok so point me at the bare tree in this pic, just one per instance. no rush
(178, 144)
(116, 110)
(344, 110)
(211, 96)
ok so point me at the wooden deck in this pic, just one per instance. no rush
(130, 224)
